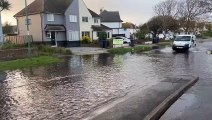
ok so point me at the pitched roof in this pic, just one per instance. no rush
(110, 16)
(46, 6)
(93, 13)
(100, 28)
(55, 28)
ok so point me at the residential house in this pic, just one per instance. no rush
(112, 20)
(58, 22)
(98, 27)
(130, 29)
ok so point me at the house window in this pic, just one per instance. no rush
(84, 19)
(108, 34)
(96, 20)
(98, 34)
(73, 18)
(28, 22)
(73, 36)
(48, 35)
(50, 17)
(85, 33)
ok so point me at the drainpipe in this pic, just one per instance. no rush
(119, 28)
(42, 28)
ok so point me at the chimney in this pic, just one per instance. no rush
(101, 10)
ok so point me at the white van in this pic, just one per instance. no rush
(184, 42)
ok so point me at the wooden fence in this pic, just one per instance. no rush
(18, 40)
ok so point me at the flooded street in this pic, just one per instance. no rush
(80, 84)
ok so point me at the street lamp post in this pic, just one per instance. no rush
(27, 26)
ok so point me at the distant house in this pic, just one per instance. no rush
(113, 20)
(60, 22)
(130, 29)
(98, 27)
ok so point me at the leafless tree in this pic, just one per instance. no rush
(186, 12)
(189, 11)
(207, 4)
(166, 8)
(208, 26)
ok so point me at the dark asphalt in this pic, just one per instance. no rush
(196, 104)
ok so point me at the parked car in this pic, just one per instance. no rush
(184, 42)
(126, 40)
(161, 36)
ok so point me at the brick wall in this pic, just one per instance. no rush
(15, 54)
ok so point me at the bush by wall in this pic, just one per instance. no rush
(86, 40)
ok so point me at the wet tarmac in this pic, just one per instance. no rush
(195, 104)
(81, 84)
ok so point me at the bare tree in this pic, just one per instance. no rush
(186, 12)
(167, 11)
(200, 26)
(166, 8)
(208, 26)
(189, 11)
(207, 4)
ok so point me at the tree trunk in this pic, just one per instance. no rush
(1, 31)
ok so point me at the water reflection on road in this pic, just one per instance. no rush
(81, 83)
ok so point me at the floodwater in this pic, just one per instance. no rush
(78, 85)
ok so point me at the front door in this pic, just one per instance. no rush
(53, 41)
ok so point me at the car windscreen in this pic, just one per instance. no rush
(183, 38)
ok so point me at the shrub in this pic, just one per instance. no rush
(9, 45)
(102, 36)
(86, 40)
(207, 34)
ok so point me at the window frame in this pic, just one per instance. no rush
(96, 20)
(84, 33)
(84, 19)
(73, 36)
(48, 35)
(50, 17)
(73, 18)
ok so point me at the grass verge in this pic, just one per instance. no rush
(136, 49)
(28, 63)
(164, 43)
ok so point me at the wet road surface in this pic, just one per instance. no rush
(196, 103)
(73, 89)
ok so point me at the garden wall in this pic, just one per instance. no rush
(13, 54)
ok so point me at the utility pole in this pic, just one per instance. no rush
(27, 25)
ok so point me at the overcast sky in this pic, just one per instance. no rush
(136, 11)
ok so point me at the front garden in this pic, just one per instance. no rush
(16, 56)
